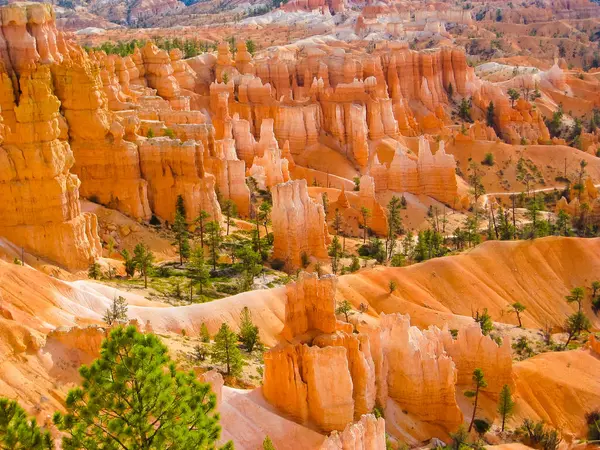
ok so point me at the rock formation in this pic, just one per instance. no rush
(394, 361)
(40, 210)
(420, 376)
(366, 434)
(472, 350)
(429, 174)
(298, 224)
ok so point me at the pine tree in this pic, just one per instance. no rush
(180, 227)
(480, 383)
(490, 115)
(576, 296)
(394, 225)
(248, 335)
(94, 271)
(133, 397)
(230, 210)
(335, 252)
(128, 262)
(250, 263)
(201, 221)
(225, 351)
(264, 215)
(514, 95)
(19, 432)
(268, 444)
(251, 46)
(117, 312)
(506, 404)
(450, 91)
(365, 214)
(143, 258)
(344, 308)
(575, 324)
(485, 321)
(204, 335)
(213, 230)
(198, 272)
(518, 308)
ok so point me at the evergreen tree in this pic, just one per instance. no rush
(480, 383)
(180, 206)
(143, 258)
(335, 252)
(518, 308)
(19, 432)
(94, 271)
(506, 404)
(264, 215)
(128, 262)
(464, 110)
(230, 210)
(251, 46)
(204, 335)
(485, 321)
(251, 265)
(563, 222)
(132, 397)
(490, 115)
(365, 214)
(117, 312)
(514, 95)
(450, 91)
(267, 444)
(201, 221)
(344, 308)
(214, 236)
(477, 188)
(180, 227)
(325, 200)
(198, 272)
(534, 208)
(394, 225)
(355, 264)
(248, 334)
(576, 296)
(575, 324)
(225, 351)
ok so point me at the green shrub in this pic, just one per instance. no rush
(488, 159)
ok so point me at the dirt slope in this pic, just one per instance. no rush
(494, 275)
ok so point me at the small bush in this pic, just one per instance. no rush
(277, 264)
(398, 260)
(169, 133)
(150, 133)
(481, 426)
(155, 221)
(593, 422)
(488, 160)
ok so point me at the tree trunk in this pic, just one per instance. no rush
(145, 279)
(503, 421)
(520, 326)
(494, 220)
(474, 408)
